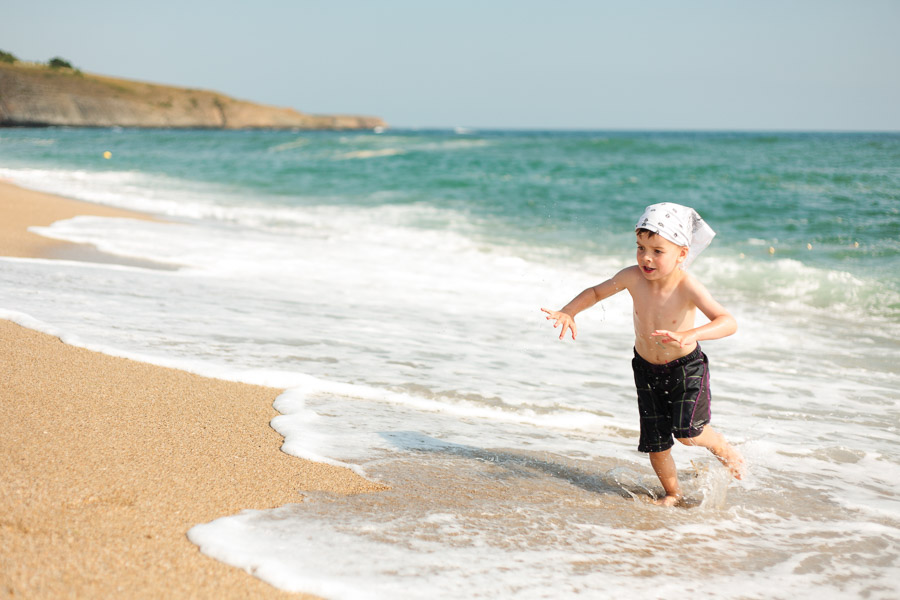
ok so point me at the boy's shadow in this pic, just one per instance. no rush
(517, 465)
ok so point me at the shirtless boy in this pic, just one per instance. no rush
(670, 371)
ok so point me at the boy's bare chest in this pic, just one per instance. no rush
(662, 309)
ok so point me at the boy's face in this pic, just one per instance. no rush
(658, 257)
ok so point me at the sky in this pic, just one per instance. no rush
(773, 65)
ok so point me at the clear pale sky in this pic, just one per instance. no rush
(632, 64)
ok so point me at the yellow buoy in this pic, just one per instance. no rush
(809, 246)
(771, 250)
(107, 155)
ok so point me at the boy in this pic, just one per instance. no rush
(670, 371)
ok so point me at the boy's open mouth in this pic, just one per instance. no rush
(647, 269)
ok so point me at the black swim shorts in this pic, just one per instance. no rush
(673, 399)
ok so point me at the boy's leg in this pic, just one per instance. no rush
(664, 466)
(716, 443)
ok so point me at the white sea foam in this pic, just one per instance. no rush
(143, 192)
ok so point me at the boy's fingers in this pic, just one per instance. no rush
(567, 324)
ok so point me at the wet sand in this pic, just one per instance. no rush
(105, 463)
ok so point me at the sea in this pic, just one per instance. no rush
(391, 283)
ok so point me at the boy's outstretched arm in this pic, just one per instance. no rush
(721, 323)
(586, 299)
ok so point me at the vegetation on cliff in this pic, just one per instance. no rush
(59, 63)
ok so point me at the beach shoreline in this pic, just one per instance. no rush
(107, 462)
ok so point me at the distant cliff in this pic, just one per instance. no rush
(36, 95)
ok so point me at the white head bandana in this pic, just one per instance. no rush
(680, 225)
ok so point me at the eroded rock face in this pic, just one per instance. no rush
(35, 95)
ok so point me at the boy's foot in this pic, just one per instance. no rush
(668, 500)
(732, 460)
(713, 441)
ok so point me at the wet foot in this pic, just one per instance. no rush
(668, 500)
(732, 460)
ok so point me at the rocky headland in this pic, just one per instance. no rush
(34, 95)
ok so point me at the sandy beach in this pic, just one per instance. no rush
(107, 462)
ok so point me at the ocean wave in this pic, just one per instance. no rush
(290, 145)
(357, 154)
(792, 284)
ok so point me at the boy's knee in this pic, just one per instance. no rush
(695, 437)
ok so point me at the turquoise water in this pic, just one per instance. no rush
(391, 283)
(573, 192)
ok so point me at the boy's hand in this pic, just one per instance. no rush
(682, 338)
(566, 320)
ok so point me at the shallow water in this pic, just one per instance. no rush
(392, 283)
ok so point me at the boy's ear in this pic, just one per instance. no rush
(682, 253)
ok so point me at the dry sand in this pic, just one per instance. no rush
(105, 463)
